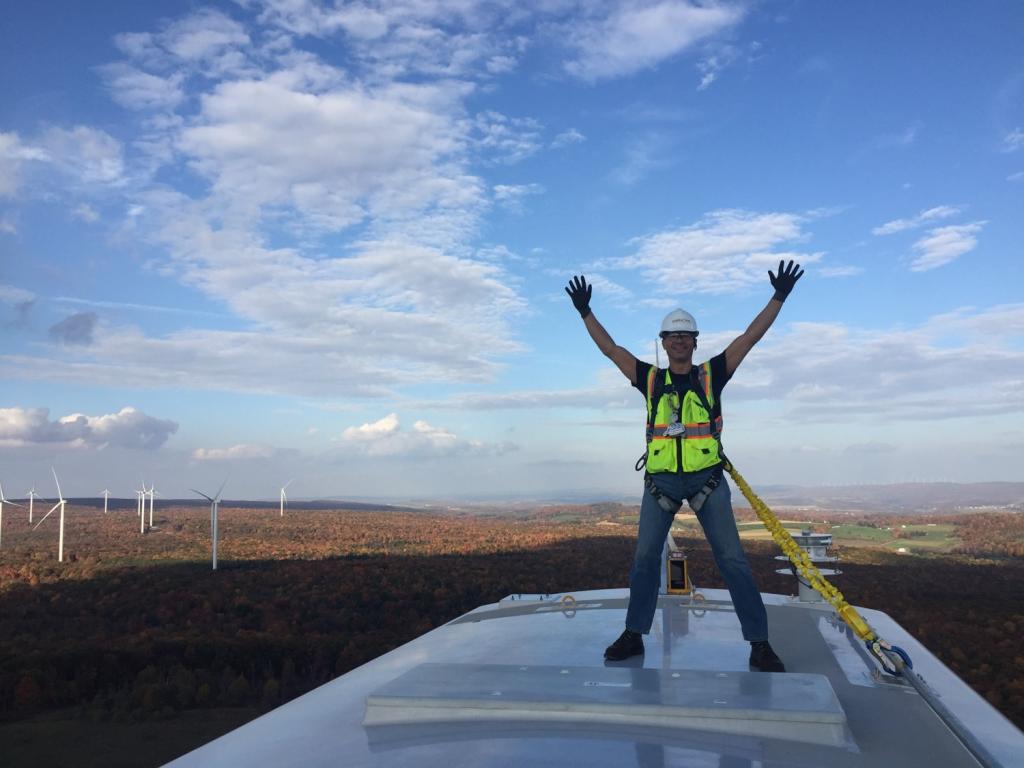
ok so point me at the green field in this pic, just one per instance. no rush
(914, 538)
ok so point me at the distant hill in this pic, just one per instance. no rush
(361, 506)
(901, 497)
(906, 498)
(895, 498)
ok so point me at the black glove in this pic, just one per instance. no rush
(787, 278)
(579, 292)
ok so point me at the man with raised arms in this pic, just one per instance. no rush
(684, 461)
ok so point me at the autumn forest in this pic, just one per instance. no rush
(136, 628)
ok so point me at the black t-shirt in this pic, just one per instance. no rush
(719, 378)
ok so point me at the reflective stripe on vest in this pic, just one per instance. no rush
(700, 447)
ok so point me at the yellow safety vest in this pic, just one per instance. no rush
(698, 446)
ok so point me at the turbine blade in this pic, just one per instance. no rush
(46, 516)
(221, 489)
(201, 494)
(60, 494)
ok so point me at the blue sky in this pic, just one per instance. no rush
(327, 241)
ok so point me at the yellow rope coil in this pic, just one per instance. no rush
(800, 559)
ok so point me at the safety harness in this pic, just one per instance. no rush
(666, 502)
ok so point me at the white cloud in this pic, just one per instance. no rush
(240, 452)
(499, 65)
(10, 294)
(85, 212)
(373, 430)
(59, 161)
(306, 149)
(600, 398)
(128, 428)
(1018, 176)
(831, 372)
(1013, 140)
(507, 139)
(385, 437)
(909, 374)
(511, 196)
(9, 164)
(726, 251)
(567, 137)
(399, 39)
(931, 214)
(615, 293)
(944, 244)
(204, 36)
(390, 312)
(334, 157)
(305, 17)
(715, 62)
(362, 22)
(88, 155)
(207, 43)
(14, 153)
(135, 89)
(636, 35)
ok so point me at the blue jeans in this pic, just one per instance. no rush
(719, 529)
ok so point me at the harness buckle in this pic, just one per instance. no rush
(666, 502)
(696, 501)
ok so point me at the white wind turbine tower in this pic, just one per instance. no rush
(61, 503)
(151, 493)
(284, 496)
(214, 503)
(32, 496)
(106, 498)
(142, 507)
(3, 501)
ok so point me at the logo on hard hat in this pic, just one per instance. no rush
(677, 321)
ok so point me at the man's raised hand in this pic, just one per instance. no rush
(787, 277)
(580, 292)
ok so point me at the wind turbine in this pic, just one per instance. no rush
(106, 497)
(3, 501)
(214, 503)
(142, 507)
(32, 496)
(61, 503)
(151, 493)
(284, 496)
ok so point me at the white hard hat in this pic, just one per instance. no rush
(679, 320)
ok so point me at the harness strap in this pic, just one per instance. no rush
(666, 502)
(696, 501)
(702, 389)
